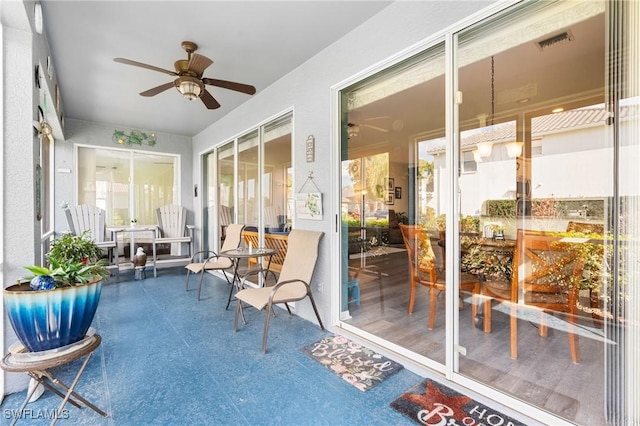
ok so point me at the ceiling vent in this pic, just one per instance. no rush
(555, 40)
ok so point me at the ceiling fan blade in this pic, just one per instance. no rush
(380, 129)
(198, 63)
(158, 89)
(208, 100)
(238, 87)
(141, 65)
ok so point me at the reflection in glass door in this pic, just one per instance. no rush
(539, 199)
(392, 286)
(253, 174)
(223, 212)
(542, 159)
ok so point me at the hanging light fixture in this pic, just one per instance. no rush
(484, 148)
(190, 87)
(514, 149)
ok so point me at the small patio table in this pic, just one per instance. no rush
(38, 364)
(245, 253)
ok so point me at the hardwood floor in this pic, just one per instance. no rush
(543, 373)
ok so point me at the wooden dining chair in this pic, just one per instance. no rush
(423, 271)
(547, 270)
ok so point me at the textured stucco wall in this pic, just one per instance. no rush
(21, 230)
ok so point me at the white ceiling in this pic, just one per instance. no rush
(249, 42)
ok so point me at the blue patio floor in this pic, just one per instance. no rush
(168, 359)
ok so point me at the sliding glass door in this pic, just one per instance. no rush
(126, 184)
(517, 177)
(387, 183)
(254, 176)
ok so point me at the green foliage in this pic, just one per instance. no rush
(547, 207)
(402, 218)
(469, 224)
(73, 248)
(501, 208)
(491, 264)
(377, 223)
(73, 260)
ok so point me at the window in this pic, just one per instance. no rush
(468, 163)
(126, 184)
(250, 182)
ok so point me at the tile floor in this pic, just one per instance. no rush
(168, 359)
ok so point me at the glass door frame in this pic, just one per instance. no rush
(420, 364)
(260, 129)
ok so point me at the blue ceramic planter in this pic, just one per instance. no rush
(45, 320)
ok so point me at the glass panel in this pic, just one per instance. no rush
(209, 204)
(248, 200)
(387, 180)
(226, 183)
(153, 185)
(276, 180)
(46, 196)
(543, 172)
(105, 180)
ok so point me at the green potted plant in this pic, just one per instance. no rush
(55, 306)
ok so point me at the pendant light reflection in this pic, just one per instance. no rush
(484, 149)
(514, 149)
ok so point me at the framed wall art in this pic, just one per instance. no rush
(309, 205)
(390, 199)
(398, 193)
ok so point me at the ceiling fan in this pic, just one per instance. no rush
(189, 81)
(356, 122)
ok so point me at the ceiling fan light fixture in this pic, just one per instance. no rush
(190, 87)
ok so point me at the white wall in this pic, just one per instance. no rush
(21, 50)
(307, 89)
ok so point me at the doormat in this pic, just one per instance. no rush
(354, 363)
(431, 403)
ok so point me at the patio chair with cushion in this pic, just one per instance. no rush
(293, 283)
(208, 260)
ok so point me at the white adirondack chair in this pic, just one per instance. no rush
(173, 228)
(85, 217)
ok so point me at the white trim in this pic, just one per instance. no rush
(452, 273)
(421, 364)
(247, 130)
